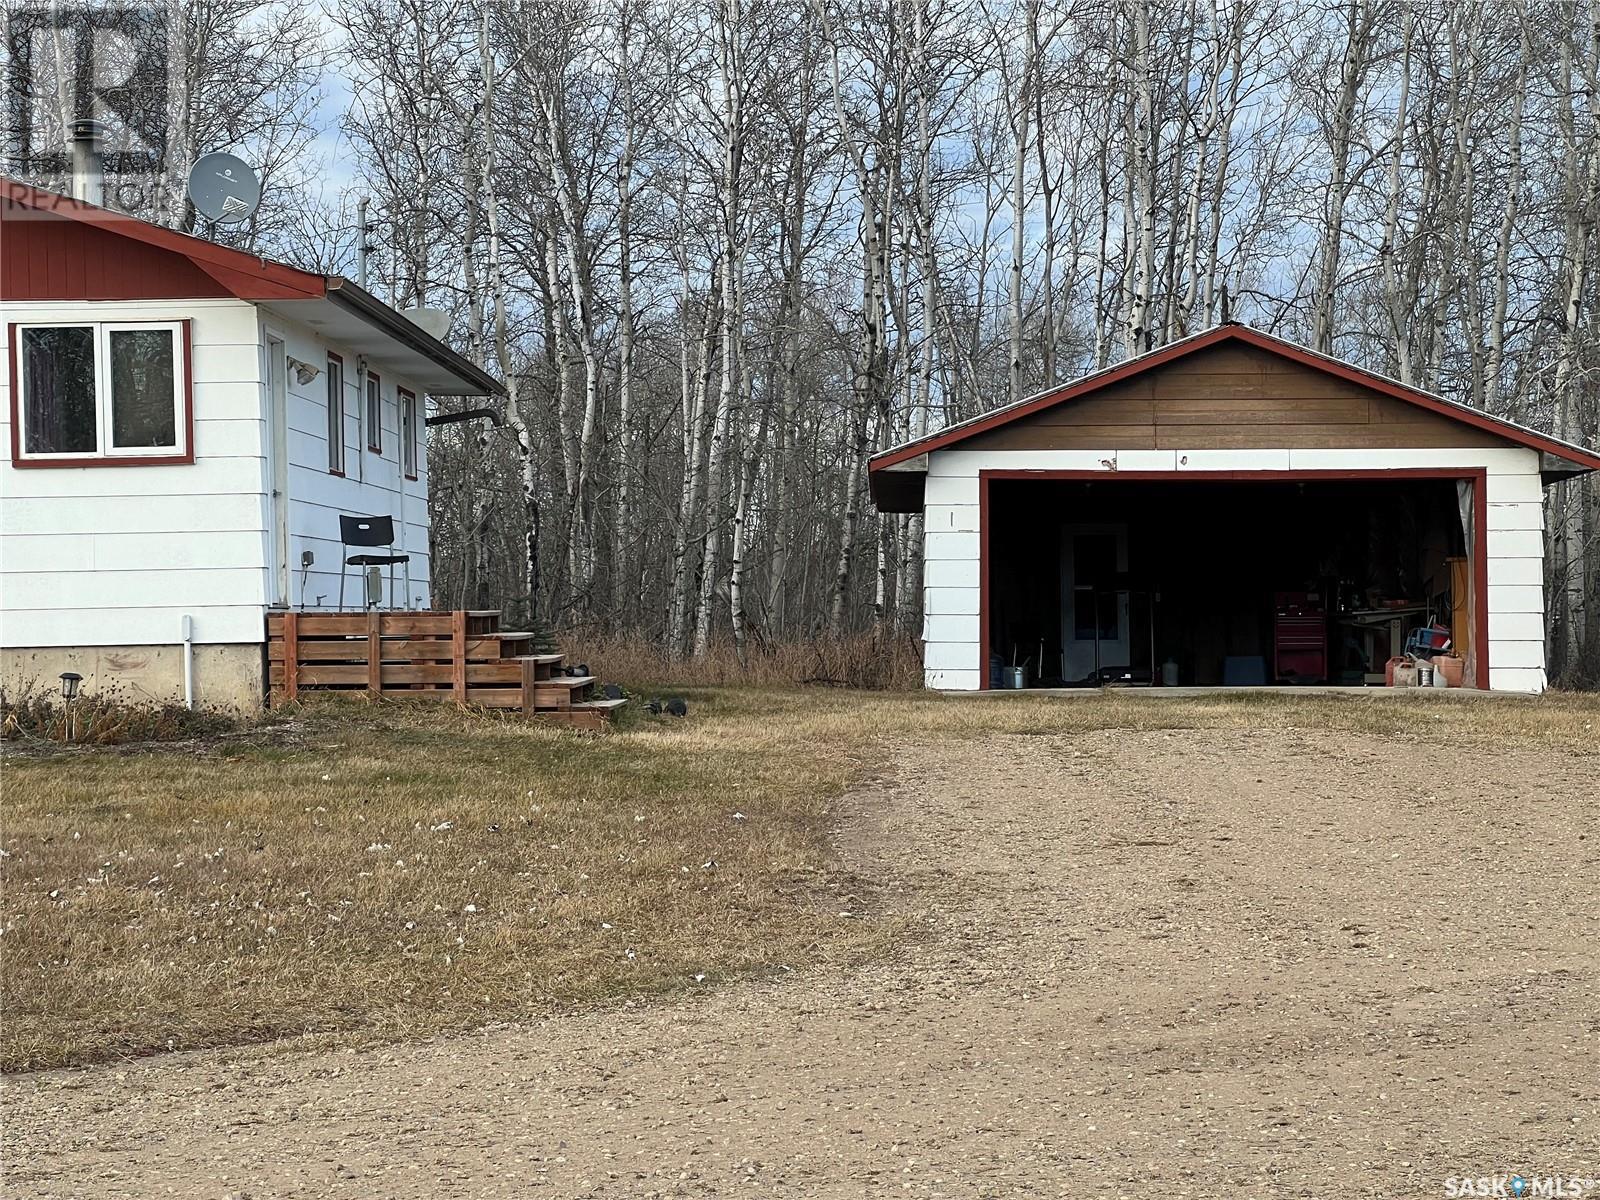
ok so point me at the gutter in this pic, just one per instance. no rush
(375, 312)
(469, 414)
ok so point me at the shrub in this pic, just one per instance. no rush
(103, 718)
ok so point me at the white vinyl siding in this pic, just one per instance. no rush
(373, 483)
(951, 518)
(118, 555)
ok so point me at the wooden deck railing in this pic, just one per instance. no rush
(461, 656)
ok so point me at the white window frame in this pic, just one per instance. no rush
(372, 413)
(410, 420)
(102, 393)
(336, 431)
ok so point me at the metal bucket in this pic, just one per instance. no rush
(1016, 677)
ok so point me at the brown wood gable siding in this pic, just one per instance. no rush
(1233, 397)
(48, 257)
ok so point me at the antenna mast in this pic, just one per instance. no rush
(362, 248)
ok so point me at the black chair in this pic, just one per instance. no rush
(371, 531)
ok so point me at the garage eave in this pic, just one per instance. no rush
(1566, 458)
(898, 488)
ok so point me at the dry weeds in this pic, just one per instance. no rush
(874, 661)
(393, 872)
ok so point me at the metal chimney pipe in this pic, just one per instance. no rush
(88, 171)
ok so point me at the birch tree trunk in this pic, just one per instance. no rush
(741, 540)
(1352, 73)
(1395, 299)
(624, 570)
(515, 417)
(1141, 168)
(731, 205)
(1496, 398)
(788, 334)
(581, 560)
(1581, 185)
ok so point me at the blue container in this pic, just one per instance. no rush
(1244, 670)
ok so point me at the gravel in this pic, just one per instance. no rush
(1169, 963)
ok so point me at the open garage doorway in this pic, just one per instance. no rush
(1244, 579)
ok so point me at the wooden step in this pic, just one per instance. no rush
(548, 695)
(544, 696)
(482, 621)
(543, 666)
(593, 716)
(567, 681)
(540, 689)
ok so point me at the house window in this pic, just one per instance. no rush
(408, 431)
(335, 415)
(374, 414)
(99, 392)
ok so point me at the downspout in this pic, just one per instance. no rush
(187, 630)
(400, 476)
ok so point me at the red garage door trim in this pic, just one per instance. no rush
(1478, 476)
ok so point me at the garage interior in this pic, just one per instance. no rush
(1220, 583)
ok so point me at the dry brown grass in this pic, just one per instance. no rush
(872, 661)
(392, 872)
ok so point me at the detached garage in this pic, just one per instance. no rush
(1231, 509)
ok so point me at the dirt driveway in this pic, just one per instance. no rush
(1174, 963)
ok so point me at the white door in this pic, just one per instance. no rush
(1090, 611)
(278, 422)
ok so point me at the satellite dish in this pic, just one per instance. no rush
(433, 321)
(224, 188)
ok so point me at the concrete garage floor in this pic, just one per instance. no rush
(1174, 963)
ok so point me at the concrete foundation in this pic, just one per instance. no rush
(228, 677)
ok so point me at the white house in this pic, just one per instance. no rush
(186, 423)
(1228, 509)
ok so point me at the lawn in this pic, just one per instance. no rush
(391, 872)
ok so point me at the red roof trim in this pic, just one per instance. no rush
(244, 275)
(1509, 430)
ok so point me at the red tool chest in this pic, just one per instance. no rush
(1300, 637)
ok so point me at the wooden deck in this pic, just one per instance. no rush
(461, 656)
